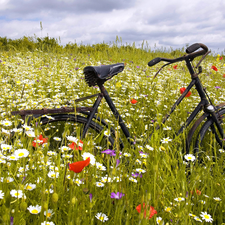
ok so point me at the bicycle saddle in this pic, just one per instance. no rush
(100, 74)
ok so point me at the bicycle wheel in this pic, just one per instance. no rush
(64, 132)
(209, 141)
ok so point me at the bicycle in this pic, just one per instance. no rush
(93, 127)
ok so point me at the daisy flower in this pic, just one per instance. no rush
(168, 209)
(143, 155)
(197, 219)
(99, 184)
(221, 150)
(158, 220)
(149, 147)
(5, 147)
(100, 166)
(30, 133)
(78, 182)
(34, 209)
(1, 194)
(65, 148)
(53, 174)
(30, 187)
(139, 170)
(57, 138)
(102, 217)
(12, 157)
(6, 123)
(179, 199)
(85, 155)
(217, 199)
(21, 153)
(190, 157)
(17, 193)
(132, 179)
(126, 154)
(49, 214)
(207, 217)
(166, 140)
(47, 223)
(72, 139)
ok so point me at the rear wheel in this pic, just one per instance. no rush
(63, 132)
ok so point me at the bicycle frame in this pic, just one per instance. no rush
(201, 106)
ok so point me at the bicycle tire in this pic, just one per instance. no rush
(64, 125)
(209, 137)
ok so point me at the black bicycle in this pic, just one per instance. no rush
(83, 123)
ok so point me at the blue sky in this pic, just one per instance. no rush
(173, 23)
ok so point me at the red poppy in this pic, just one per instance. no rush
(133, 101)
(74, 145)
(175, 67)
(182, 91)
(221, 57)
(224, 75)
(39, 141)
(152, 211)
(77, 167)
(214, 68)
(197, 192)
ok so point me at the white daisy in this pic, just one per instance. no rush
(30, 133)
(100, 166)
(166, 140)
(34, 209)
(72, 139)
(49, 214)
(207, 217)
(5, 147)
(53, 174)
(6, 123)
(21, 153)
(17, 193)
(99, 184)
(57, 138)
(85, 155)
(102, 217)
(30, 187)
(78, 182)
(190, 157)
(1, 194)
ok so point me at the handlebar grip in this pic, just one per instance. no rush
(193, 48)
(154, 61)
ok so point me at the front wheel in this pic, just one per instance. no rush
(209, 141)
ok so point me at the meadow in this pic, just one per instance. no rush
(151, 184)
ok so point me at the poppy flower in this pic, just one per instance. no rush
(152, 211)
(77, 167)
(175, 67)
(214, 68)
(39, 141)
(224, 75)
(197, 192)
(133, 101)
(221, 57)
(73, 145)
(182, 91)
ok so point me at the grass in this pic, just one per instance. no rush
(51, 79)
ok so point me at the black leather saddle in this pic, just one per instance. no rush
(95, 75)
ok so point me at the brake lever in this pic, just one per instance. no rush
(200, 61)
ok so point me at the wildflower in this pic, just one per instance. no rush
(143, 155)
(197, 219)
(77, 167)
(100, 166)
(217, 87)
(21, 153)
(139, 170)
(57, 138)
(17, 193)
(132, 179)
(99, 184)
(206, 217)
(166, 140)
(152, 211)
(5, 131)
(168, 209)
(72, 139)
(1, 194)
(5, 147)
(182, 91)
(107, 133)
(78, 182)
(179, 199)
(190, 157)
(214, 68)
(133, 101)
(136, 175)
(221, 151)
(6, 123)
(175, 67)
(117, 195)
(102, 217)
(217, 199)
(158, 220)
(34, 209)
(65, 148)
(30, 187)
(126, 154)
(47, 223)
(49, 213)
(109, 152)
(149, 147)
(40, 140)
(74, 145)
(30, 133)
(12, 158)
(53, 174)
(86, 155)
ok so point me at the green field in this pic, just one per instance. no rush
(36, 179)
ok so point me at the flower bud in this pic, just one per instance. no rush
(23, 206)
(55, 197)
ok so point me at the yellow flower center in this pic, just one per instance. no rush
(29, 187)
(49, 214)
(35, 211)
(101, 218)
(206, 216)
(21, 154)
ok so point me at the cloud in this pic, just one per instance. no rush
(168, 23)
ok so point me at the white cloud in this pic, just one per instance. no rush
(168, 23)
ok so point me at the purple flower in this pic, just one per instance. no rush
(138, 66)
(217, 87)
(40, 68)
(136, 175)
(117, 195)
(77, 68)
(90, 196)
(74, 59)
(117, 162)
(109, 152)
(37, 80)
(11, 220)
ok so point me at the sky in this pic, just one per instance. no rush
(160, 23)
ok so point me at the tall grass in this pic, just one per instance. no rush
(41, 75)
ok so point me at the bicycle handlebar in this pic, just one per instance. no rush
(191, 54)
